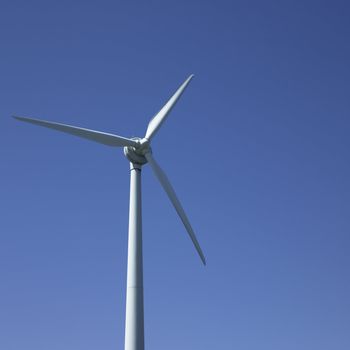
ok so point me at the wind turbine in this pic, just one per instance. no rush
(138, 151)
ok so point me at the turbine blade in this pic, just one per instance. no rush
(164, 181)
(93, 135)
(159, 118)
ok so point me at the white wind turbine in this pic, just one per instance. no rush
(139, 152)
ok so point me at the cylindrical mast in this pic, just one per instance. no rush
(134, 326)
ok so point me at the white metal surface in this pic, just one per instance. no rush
(168, 188)
(134, 322)
(93, 135)
(160, 117)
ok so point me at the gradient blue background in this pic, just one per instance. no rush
(262, 168)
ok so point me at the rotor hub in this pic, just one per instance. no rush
(137, 154)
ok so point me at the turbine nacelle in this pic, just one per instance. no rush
(136, 154)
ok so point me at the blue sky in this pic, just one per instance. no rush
(257, 150)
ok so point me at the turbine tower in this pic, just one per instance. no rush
(138, 151)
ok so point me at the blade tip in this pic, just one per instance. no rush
(17, 117)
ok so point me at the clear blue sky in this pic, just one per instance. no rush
(262, 168)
